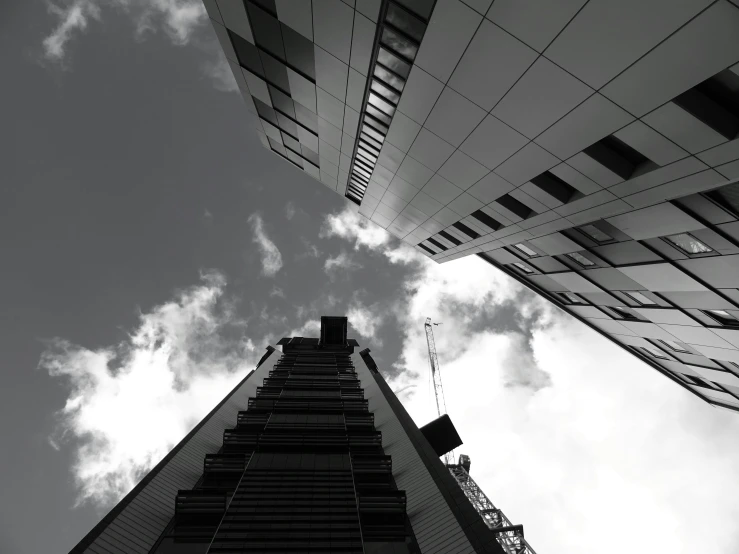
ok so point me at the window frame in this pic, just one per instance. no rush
(569, 256)
(631, 293)
(591, 237)
(711, 251)
(731, 322)
(522, 268)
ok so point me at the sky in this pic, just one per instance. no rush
(152, 249)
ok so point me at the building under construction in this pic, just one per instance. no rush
(311, 452)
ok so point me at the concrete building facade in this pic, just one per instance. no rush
(588, 148)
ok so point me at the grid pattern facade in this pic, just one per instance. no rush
(303, 470)
(517, 130)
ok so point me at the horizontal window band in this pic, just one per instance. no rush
(454, 240)
(466, 230)
(427, 249)
(485, 219)
(372, 142)
(368, 158)
(437, 244)
(368, 146)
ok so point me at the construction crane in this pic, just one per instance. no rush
(510, 537)
(436, 376)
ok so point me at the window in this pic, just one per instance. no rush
(466, 230)
(580, 259)
(596, 234)
(437, 244)
(555, 187)
(623, 313)
(619, 157)
(526, 269)
(722, 317)
(482, 217)
(570, 298)
(427, 249)
(640, 298)
(655, 352)
(454, 240)
(515, 206)
(525, 249)
(727, 197)
(672, 345)
(715, 102)
(688, 244)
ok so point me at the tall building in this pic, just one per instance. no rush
(588, 148)
(311, 452)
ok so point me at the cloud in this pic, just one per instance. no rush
(173, 367)
(179, 20)
(271, 257)
(72, 19)
(351, 226)
(277, 291)
(289, 210)
(340, 263)
(366, 321)
(311, 328)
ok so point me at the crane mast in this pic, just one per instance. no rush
(510, 537)
(436, 376)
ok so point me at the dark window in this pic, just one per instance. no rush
(523, 267)
(420, 7)
(287, 125)
(555, 187)
(306, 118)
(722, 317)
(427, 249)
(688, 244)
(282, 102)
(275, 71)
(570, 298)
(580, 259)
(450, 238)
(399, 43)
(265, 112)
(728, 197)
(393, 62)
(715, 102)
(617, 156)
(525, 249)
(309, 155)
(299, 52)
(247, 54)
(640, 298)
(466, 230)
(437, 244)
(677, 347)
(655, 352)
(482, 217)
(596, 234)
(266, 31)
(268, 5)
(623, 313)
(515, 206)
(405, 21)
(290, 142)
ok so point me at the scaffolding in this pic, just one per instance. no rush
(509, 536)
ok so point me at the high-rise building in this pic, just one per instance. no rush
(311, 452)
(588, 148)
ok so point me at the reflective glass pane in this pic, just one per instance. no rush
(639, 297)
(673, 346)
(399, 43)
(526, 250)
(579, 258)
(655, 352)
(403, 20)
(394, 63)
(386, 92)
(369, 120)
(373, 133)
(381, 104)
(421, 7)
(389, 77)
(596, 234)
(377, 114)
(523, 268)
(689, 244)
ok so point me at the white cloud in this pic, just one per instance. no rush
(365, 320)
(311, 328)
(567, 432)
(220, 73)
(170, 371)
(342, 262)
(277, 291)
(72, 18)
(271, 257)
(289, 210)
(349, 225)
